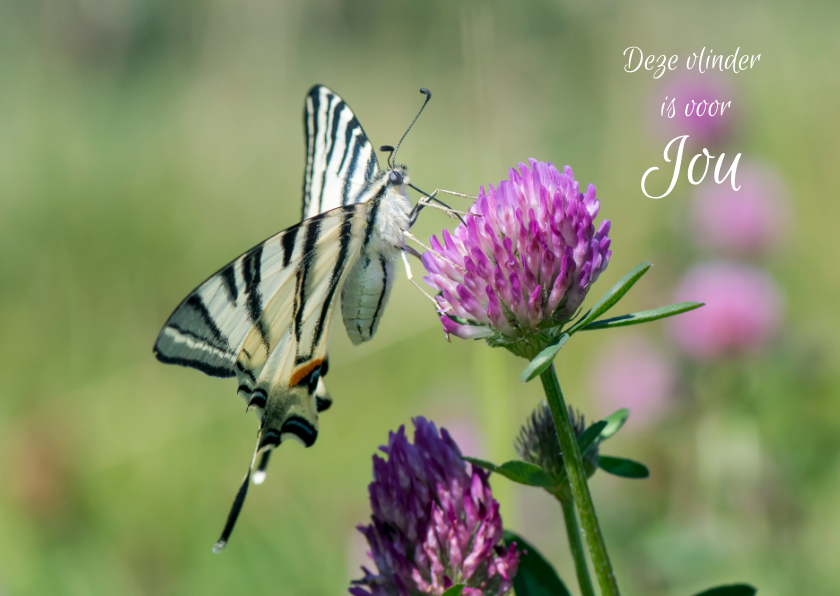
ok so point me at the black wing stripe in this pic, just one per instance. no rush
(203, 341)
(345, 234)
(349, 131)
(374, 210)
(197, 304)
(270, 437)
(229, 278)
(288, 243)
(298, 306)
(381, 294)
(252, 272)
(371, 167)
(244, 371)
(205, 367)
(258, 399)
(313, 230)
(358, 144)
(302, 428)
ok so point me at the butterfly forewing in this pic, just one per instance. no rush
(300, 310)
(340, 160)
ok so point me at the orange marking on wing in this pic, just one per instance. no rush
(304, 371)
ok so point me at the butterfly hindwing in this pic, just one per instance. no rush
(298, 314)
(340, 160)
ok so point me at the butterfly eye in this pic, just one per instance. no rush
(395, 178)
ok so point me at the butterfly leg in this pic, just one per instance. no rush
(453, 213)
(412, 237)
(411, 278)
(428, 198)
(452, 192)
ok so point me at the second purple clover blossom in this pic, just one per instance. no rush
(434, 522)
(522, 261)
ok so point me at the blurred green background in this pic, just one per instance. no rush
(143, 144)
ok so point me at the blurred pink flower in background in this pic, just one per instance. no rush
(633, 373)
(750, 220)
(703, 129)
(743, 310)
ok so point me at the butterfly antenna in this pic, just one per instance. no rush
(390, 156)
(428, 95)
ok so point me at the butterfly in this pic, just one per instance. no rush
(264, 318)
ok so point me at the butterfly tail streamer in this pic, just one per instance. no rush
(238, 502)
(259, 475)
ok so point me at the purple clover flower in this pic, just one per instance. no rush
(742, 313)
(435, 523)
(524, 260)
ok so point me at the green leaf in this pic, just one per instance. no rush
(615, 294)
(732, 590)
(614, 423)
(626, 468)
(536, 576)
(590, 435)
(518, 471)
(526, 473)
(645, 316)
(454, 590)
(544, 359)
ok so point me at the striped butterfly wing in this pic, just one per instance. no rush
(341, 163)
(264, 318)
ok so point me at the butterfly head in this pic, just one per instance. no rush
(398, 176)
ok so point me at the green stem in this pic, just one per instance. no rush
(580, 487)
(576, 544)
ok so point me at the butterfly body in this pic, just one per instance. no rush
(264, 318)
(369, 282)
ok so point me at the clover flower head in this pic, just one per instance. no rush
(522, 260)
(434, 522)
